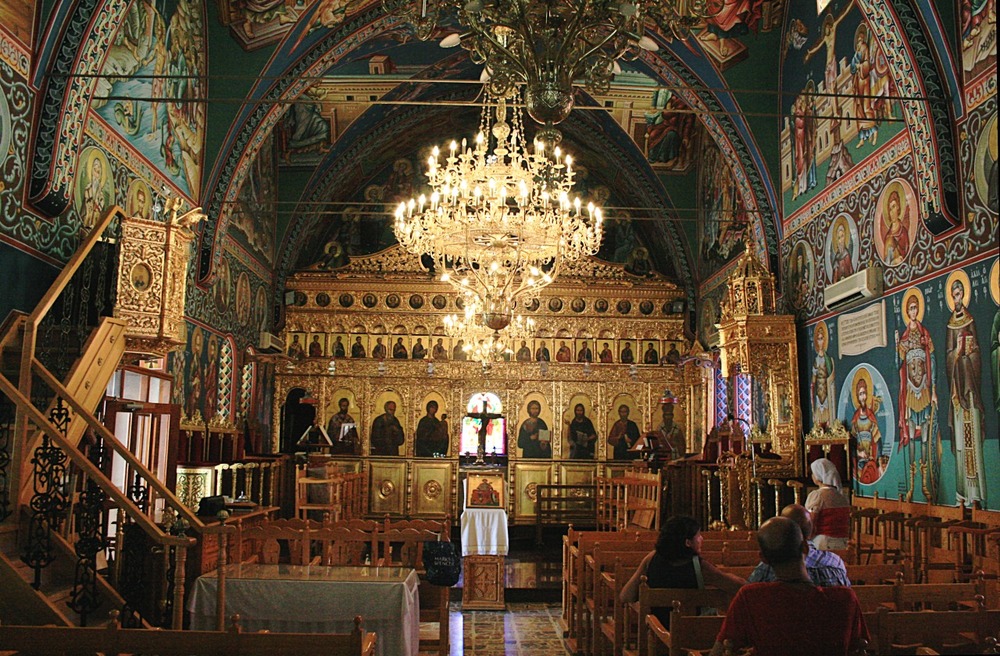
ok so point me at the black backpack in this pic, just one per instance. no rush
(442, 562)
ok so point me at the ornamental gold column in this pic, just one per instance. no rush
(757, 342)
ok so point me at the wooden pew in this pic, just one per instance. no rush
(942, 596)
(112, 640)
(599, 595)
(879, 574)
(873, 597)
(900, 632)
(687, 632)
(691, 601)
(737, 558)
(576, 546)
(609, 615)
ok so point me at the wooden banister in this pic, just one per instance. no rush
(112, 442)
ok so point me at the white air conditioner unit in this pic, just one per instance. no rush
(853, 289)
(271, 343)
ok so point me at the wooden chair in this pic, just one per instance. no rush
(339, 545)
(643, 496)
(405, 547)
(691, 601)
(318, 498)
(900, 632)
(687, 632)
(270, 545)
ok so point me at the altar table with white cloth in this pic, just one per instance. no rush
(316, 599)
(484, 532)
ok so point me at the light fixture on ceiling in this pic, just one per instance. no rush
(483, 343)
(499, 222)
(547, 44)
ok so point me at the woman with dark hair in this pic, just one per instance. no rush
(676, 563)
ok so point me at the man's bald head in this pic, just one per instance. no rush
(798, 514)
(780, 540)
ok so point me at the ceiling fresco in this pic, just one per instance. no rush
(348, 142)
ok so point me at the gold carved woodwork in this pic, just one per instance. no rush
(483, 582)
(826, 437)
(571, 474)
(654, 307)
(152, 284)
(512, 382)
(433, 484)
(194, 483)
(524, 481)
(756, 342)
(387, 487)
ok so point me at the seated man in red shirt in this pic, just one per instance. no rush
(791, 615)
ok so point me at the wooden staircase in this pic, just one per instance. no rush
(20, 602)
(66, 523)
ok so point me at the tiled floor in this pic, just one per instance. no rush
(524, 629)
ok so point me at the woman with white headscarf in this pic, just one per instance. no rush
(831, 510)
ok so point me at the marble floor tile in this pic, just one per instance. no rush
(524, 629)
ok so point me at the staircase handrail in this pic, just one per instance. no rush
(14, 319)
(33, 320)
(78, 458)
(110, 441)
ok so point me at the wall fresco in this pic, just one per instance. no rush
(255, 215)
(152, 80)
(723, 218)
(836, 102)
(929, 426)
(979, 37)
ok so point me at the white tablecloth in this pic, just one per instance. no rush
(484, 532)
(317, 599)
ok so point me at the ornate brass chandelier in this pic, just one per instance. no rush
(499, 222)
(482, 343)
(548, 44)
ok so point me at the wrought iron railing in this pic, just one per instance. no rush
(82, 294)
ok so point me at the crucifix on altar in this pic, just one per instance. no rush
(485, 418)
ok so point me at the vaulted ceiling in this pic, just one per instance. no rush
(389, 98)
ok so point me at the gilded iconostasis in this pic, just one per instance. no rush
(831, 136)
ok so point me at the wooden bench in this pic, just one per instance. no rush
(112, 640)
(879, 574)
(577, 545)
(690, 601)
(597, 601)
(687, 632)
(943, 596)
(609, 610)
(900, 632)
